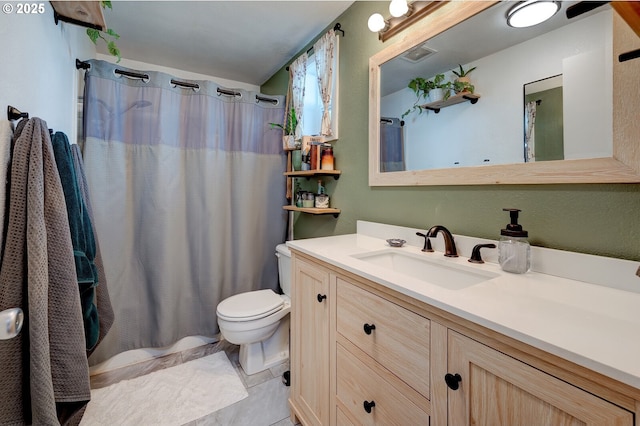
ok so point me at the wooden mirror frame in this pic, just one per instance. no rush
(622, 167)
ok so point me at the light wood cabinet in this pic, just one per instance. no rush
(368, 396)
(368, 355)
(382, 359)
(496, 389)
(310, 343)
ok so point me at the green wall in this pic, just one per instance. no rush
(597, 219)
(549, 127)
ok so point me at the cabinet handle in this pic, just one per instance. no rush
(368, 406)
(321, 297)
(368, 328)
(453, 380)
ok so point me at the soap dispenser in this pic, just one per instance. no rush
(514, 249)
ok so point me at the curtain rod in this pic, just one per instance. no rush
(389, 121)
(337, 28)
(85, 65)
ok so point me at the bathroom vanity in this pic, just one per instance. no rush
(380, 336)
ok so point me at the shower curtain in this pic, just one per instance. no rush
(391, 145)
(188, 188)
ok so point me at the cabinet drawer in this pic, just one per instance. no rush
(399, 341)
(358, 382)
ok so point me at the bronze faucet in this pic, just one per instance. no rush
(449, 245)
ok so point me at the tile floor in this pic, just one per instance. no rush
(266, 404)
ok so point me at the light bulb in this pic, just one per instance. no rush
(398, 8)
(376, 22)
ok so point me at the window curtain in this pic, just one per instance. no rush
(187, 192)
(325, 50)
(530, 119)
(297, 74)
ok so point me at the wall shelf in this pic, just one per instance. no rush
(453, 100)
(310, 173)
(84, 13)
(313, 210)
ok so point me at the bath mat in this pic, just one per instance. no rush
(173, 396)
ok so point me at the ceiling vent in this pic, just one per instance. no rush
(418, 53)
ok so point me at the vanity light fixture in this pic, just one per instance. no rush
(398, 8)
(531, 12)
(403, 14)
(377, 24)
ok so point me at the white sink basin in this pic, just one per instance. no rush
(451, 276)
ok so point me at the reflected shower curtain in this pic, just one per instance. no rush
(529, 136)
(391, 145)
(188, 189)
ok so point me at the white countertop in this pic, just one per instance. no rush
(591, 324)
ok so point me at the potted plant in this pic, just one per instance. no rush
(441, 89)
(462, 82)
(463, 86)
(461, 74)
(434, 90)
(289, 129)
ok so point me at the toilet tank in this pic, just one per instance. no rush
(284, 267)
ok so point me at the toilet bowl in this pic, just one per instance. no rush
(258, 321)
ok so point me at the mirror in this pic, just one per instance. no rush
(484, 142)
(543, 120)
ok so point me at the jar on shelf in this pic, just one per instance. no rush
(326, 159)
(308, 199)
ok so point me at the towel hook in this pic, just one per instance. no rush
(14, 113)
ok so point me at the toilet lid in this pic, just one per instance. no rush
(250, 305)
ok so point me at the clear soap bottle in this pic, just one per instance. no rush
(514, 249)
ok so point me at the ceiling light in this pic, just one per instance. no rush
(398, 8)
(531, 12)
(377, 23)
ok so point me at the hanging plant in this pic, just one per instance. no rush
(109, 36)
(421, 87)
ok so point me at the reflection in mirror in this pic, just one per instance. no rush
(490, 132)
(543, 138)
(391, 144)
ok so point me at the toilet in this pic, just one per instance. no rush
(258, 321)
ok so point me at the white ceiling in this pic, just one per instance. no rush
(477, 37)
(239, 40)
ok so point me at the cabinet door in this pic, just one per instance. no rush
(496, 389)
(310, 344)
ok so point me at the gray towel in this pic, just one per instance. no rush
(45, 374)
(6, 134)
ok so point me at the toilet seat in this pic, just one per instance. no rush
(249, 306)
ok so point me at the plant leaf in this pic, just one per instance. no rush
(113, 49)
(106, 4)
(112, 33)
(93, 35)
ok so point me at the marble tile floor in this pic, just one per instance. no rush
(266, 404)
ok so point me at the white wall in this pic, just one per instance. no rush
(493, 128)
(37, 71)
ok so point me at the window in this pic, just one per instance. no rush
(314, 89)
(313, 107)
